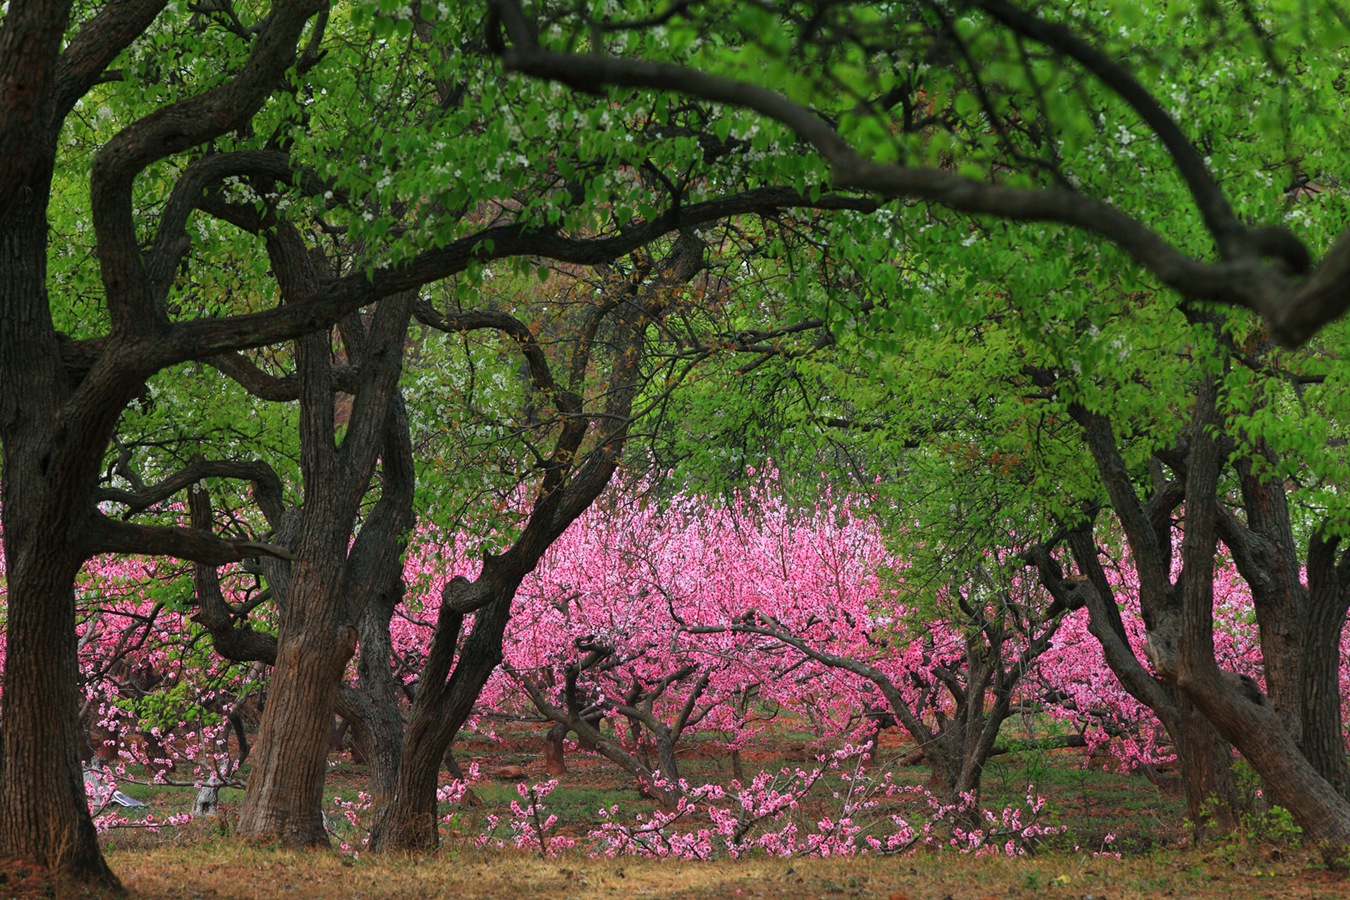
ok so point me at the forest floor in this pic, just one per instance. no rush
(224, 870)
(1113, 835)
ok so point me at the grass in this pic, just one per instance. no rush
(1092, 801)
(225, 869)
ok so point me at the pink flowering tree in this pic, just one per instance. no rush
(951, 687)
(603, 633)
(662, 618)
(158, 706)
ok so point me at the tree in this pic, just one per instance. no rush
(972, 106)
(589, 439)
(209, 110)
(976, 108)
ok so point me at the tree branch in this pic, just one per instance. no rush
(267, 490)
(1245, 277)
(1209, 198)
(207, 337)
(132, 304)
(104, 535)
(96, 44)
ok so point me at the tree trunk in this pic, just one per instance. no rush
(555, 762)
(1236, 708)
(1206, 762)
(335, 576)
(1320, 695)
(1206, 765)
(1259, 735)
(1278, 595)
(44, 813)
(410, 822)
(665, 754)
(284, 799)
(374, 708)
(949, 779)
(442, 705)
(379, 728)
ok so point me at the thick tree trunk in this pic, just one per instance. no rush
(1323, 740)
(335, 577)
(1323, 733)
(1273, 572)
(1206, 761)
(1236, 708)
(952, 779)
(44, 813)
(410, 822)
(284, 799)
(1259, 735)
(373, 709)
(942, 774)
(1281, 624)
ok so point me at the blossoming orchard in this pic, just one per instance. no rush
(651, 628)
(672, 428)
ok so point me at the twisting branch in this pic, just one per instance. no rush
(104, 535)
(336, 297)
(267, 491)
(1261, 269)
(237, 642)
(1209, 197)
(132, 304)
(86, 57)
(541, 375)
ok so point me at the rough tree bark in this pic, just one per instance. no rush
(1240, 712)
(1323, 738)
(1267, 557)
(44, 815)
(1300, 626)
(334, 577)
(374, 706)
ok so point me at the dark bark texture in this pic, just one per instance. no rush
(330, 585)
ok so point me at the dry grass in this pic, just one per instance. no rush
(229, 869)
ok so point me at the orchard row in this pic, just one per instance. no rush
(651, 625)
